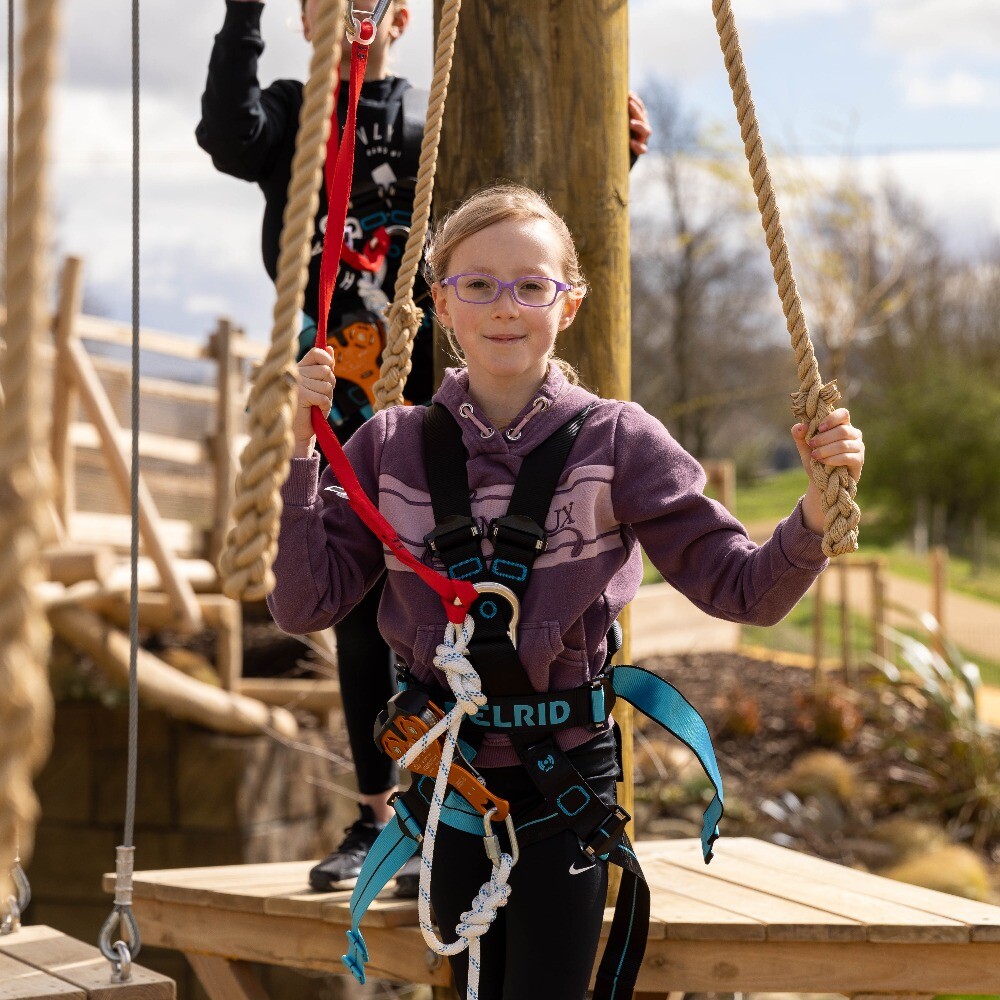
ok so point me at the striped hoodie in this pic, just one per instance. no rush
(626, 484)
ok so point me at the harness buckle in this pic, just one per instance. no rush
(454, 531)
(600, 843)
(518, 530)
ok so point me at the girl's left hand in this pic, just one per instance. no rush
(837, 442)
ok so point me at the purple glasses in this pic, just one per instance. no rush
(482, 289)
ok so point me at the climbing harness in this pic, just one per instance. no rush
(513, 709)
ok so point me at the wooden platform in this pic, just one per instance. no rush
(759, 918)
(39, 962)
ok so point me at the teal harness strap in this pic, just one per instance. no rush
(393, 847)
(663, 703)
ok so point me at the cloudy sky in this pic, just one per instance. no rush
(911, 87)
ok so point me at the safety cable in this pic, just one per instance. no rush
(127, 946)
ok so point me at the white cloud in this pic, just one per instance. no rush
(957, 89)
(921, 29)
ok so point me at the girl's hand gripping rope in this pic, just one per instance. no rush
(315, 379)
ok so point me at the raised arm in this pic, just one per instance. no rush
(242, 127)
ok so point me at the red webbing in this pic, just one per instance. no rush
(457, 596)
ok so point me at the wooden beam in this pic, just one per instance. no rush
(69, 564)
(226, 980)
(167, 449)
(164, 687)
(310, 695)
(64, 394)
(119, 461)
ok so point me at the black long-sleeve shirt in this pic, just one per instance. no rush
(250, 134)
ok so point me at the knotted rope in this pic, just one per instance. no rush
(452, 659)
(404, 315)
(25, 475)
(814, 400)
(245, 565)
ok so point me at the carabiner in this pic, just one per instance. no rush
(353, 23)
(492, 843)
(489, 587)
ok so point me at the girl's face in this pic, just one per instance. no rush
(505, 340)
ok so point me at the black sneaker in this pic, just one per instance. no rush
(408, 879)
(340, 870)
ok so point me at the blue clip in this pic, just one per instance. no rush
(356, 955)
(407, 820)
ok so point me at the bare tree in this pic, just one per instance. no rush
(698, 281)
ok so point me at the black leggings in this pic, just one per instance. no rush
(543, 943)
(367, 682)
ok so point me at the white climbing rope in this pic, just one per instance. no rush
(452, 659)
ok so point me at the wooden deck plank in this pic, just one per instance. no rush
(983, 919)
(304, 903)
(196, 886)
(24, 982)
(883, 919)
(784, 919)
(685, 918)
(82, 965)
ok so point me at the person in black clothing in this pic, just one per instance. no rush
(250, 134)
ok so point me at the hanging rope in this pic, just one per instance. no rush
(25, 476)
(814, 400)
(245, 565)
(404, 315)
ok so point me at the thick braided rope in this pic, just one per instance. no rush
(404, 315)
(245, 565)
(814, 400)
(452, 659)
(25, 475)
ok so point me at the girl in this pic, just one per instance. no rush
(506, 282)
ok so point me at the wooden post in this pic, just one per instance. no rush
(878, 610)
(228, 378)
(818, 638)
(939, 589)
(845, 622)
(554, 116)
(64, 390)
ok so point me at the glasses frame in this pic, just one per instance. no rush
(452, 282)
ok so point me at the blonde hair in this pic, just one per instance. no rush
(502, 202)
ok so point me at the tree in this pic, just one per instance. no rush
(699, 278)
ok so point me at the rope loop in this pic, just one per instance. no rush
(452, 659)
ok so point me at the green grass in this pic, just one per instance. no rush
(770, 498)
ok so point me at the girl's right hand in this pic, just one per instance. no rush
(316, 380)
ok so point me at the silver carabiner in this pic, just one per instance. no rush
(489, 587)
(353, 22)
(492, 843)
(16, 905)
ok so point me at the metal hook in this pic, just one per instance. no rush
(354, 23)
(16, 905)
(121, 917)
(491, 841)
(489, 587)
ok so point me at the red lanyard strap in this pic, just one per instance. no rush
(457, 596)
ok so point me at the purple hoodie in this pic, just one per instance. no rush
(626, 483)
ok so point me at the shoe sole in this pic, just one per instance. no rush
(347, 883)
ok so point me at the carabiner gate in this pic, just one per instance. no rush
(491, 587)
(353, 22)
(492, 843)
